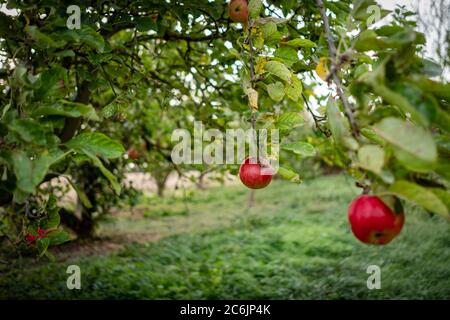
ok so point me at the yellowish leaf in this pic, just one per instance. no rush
(260, 63)
(252, 98)
(322, 68)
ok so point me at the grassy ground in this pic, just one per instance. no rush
(294, 243)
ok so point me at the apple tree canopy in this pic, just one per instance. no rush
(341, 90)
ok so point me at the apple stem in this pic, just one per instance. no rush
(365, 187)
(251, 199)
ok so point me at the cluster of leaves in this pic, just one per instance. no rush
(394, 140)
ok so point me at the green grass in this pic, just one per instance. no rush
(295, 243)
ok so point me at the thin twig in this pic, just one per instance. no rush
(253, 79)
(337, 81)
(109, 80)
(315, 117)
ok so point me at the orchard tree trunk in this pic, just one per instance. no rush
(82, 221)
(84, 227)
(160, 188)
(161, 183)
(201, 182)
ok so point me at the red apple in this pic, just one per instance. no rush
(30, 238)
(255, 175)
(133, 153)
(238, 10)
(372, 221)
(42, 233)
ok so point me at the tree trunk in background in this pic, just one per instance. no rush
(82, 221)
(161, 182)
(84, 227)
(201, 181)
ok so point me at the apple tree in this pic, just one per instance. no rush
(341, 91)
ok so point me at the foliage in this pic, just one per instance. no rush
(73, 100)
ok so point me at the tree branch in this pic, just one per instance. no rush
(178, 36)
(71, 124)
(337, 81)
(315, 117)
(253, 79)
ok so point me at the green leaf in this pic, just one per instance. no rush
(65, 53)
(294, 89)
(301, 148)
(53, 220)
(20, 196)
(288, 121)
(287, 54)
(67, 109)
(301, 43)
(442, 119)
(360, 9)
(335, 119)
(376, 80)
(108, 174)
(372, 136)
(43, 40)
(112, 109)
(254, 8)
(30, 172)
(371, 157)
(423, 103)
(270, 31)
(86, 35)
(81, 195)
(42, 245)
(144, 24)
(276, 91)
(91, 38)
(288, 174)
(420, 196)
(278, 69)
(368, 40)
(29, 131)
(58, 237)
(97, 144)
(48, 84)
(442, 194)
(431, 68)
(413, 146)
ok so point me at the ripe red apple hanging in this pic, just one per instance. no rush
(238, 10)
(373, 222)
(255, 174)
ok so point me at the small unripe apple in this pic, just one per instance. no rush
(372, 221)
(238, 10)
(133, 154)
(256, 175)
